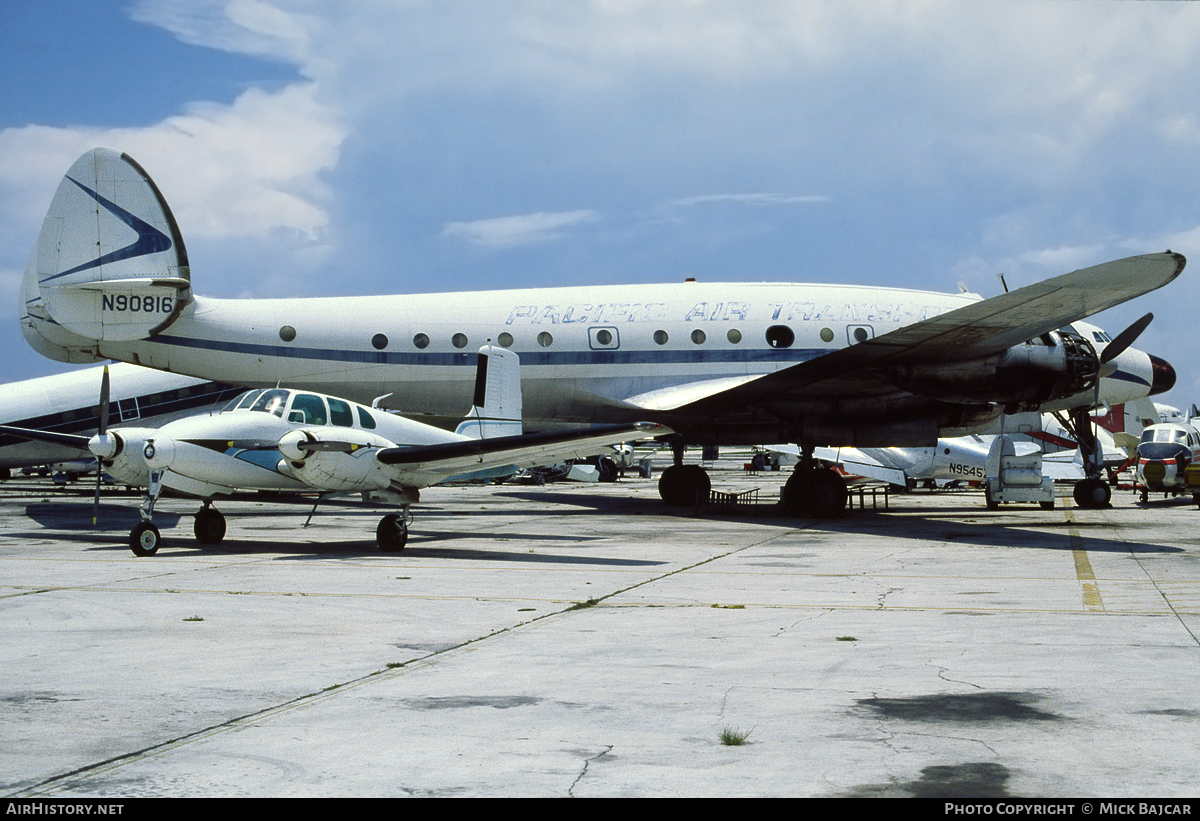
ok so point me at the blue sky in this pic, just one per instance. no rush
(313, 147)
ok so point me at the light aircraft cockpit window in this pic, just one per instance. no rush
(781, 336)
(242, 400)
(340, 413)
(660, 337)
(1101, 336)
(272, 401)
(545, 339)
(379, 341)
(365, 419)
(734, 336)
(308, 409)
(459, 340)
(421, 341)
(698, 336)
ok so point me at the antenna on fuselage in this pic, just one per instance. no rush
(1003, 284)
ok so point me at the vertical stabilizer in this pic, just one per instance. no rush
(109, 263)
(497, 405)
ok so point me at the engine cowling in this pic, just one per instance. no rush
(1022, 378)
(338, 459)
(120, 451)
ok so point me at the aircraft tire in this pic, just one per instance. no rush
(144, 539)
(209, 526)
(679, 485)
(817, 492)
(392, 533)
(1092, 494)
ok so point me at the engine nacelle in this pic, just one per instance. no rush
(338, 459)
(1022, 378)
(120, 450)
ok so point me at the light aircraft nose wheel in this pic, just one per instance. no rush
(392, 533)
(1092, 493)
(144, 539)
(209, 526)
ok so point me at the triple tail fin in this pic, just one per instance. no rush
(109, 264)
(496, 410)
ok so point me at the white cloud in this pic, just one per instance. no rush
(521, 229)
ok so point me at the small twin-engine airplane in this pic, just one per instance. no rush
(720, 363)
(1163, 455)
(290, 440)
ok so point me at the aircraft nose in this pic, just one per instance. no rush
(1164, 375)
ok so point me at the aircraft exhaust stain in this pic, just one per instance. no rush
(966, 707)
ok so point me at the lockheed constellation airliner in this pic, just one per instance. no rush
(719, 363)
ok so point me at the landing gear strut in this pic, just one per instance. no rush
(1091, 492)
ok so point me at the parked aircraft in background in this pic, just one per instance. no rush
(67, 404)
(1164, 453)
(281, 439)
(720, 363)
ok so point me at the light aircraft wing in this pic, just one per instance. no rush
(525, 450)
(980, 329)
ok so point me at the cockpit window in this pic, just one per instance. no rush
(272, 401)
(308, 409)
(1101, 336)
(242, 400)
(365, 419)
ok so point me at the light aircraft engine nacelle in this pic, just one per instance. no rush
(120, 451)
(1022, 378)
(338, 459)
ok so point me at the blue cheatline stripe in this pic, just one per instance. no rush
(639, 357)
(149, 239)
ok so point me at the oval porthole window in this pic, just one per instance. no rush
(545, 339)
(780, 336)
(734, 336)
(505, 340)
(379, 342)
(459, 340)
(603, 337)
(421, 341)
(698, 336)
(287, 333)
(826, 334)
(660, 337)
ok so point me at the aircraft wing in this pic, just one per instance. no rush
(73, 440)
(525, 450)
(980, 329)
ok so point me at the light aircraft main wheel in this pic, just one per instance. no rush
(392, 533)
(144, 539)
(679, 485)
(1092, 494)
(209, 526)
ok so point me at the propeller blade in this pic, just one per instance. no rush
(1124, 339)
(103, 413)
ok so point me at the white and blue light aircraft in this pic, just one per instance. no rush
(720, 363)
(292, 440)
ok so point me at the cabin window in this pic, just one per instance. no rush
(459, 340)
(421, 341)
(698, 336)
(340, 413)
(781, 336)
(827, 334)
(505, 340)
(308, 409)
(365, 419)
(734, 336)
(379, 342)
(287, 333)
(660, 337)
(545, 339)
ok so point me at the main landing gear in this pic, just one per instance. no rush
(1091, 492)
(392, 533)
(811, 490)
